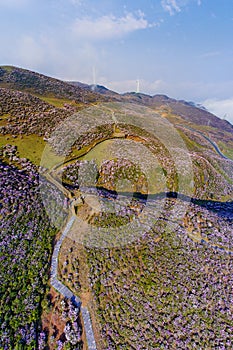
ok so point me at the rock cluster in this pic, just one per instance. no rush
(27, 114)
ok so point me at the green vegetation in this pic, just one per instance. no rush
(8, 69)
(29, 146)
(3, 119)
(32, 148)
(109, 220)
(50, 158)
(226, 149)
(156, 292)
(100, 152)
(191, 144)
(159, 293)
(26, 237)
(58, 102)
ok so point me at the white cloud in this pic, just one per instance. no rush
(108, 27)
(210, 54)
(30, 52)
(221, 108)
(175, 6)
(48, 54)
(76, 2)
(171, 6)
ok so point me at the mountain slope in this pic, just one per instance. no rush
(33, 103)
(100, 89)
(188, 111)
(69, 97)
(172, 269)
(39, 84)
(23, 113)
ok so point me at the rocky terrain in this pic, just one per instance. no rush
(23, 113)
(186, 110)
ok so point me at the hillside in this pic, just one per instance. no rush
(178, 112)
(24, 80)
(27, 81)
(191, 113)
(33, 104)
(23, 113)
(148, 191)
(43, 100)
(186, 110)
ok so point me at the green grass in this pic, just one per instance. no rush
(31, 146)
(50, 159)
(191, 145)
(8, 68)
(100, 152)
(226, 150)
(57, 102)
(3, 119)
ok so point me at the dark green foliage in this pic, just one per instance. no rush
(25, 251)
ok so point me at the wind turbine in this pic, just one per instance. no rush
(94, 78)
(138, 86)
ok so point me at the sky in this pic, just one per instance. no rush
(181, 48)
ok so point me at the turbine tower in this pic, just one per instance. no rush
(138, 86)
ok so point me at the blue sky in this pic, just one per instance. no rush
(182, 48)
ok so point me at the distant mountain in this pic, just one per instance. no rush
(189, 111)
(71, 96)
(100, 89)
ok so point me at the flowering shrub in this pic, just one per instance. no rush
(168, 291)
(69, 334)
(80, 173)
(26, 243)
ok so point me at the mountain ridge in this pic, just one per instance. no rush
(25, 80)
(70, 97)
(181, 107)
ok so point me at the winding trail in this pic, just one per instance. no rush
(209, 140)
(66, 292)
